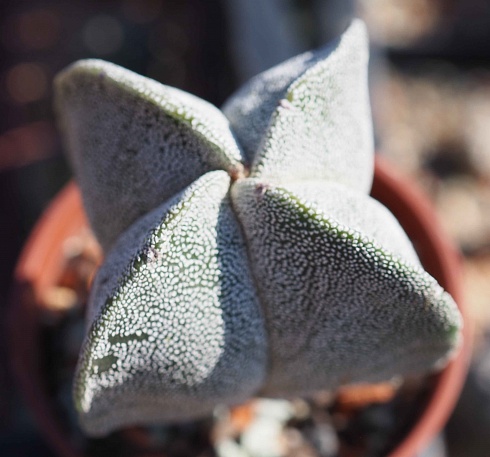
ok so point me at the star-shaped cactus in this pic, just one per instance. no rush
(244, 255)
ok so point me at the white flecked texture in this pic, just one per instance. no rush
(310, 117)
(338, 307)
(135, 143)
(218, 286)
(359, 212)
(180, 329)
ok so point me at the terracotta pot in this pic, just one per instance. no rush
(441, 259)
(41, 263)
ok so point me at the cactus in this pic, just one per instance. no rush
(244, 255)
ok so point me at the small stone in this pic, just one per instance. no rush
(355, 397)
(280, 410)
(241, 416)
(230, 448)
(263, 438)
(59, 299)
(324, 439)
(301, 409)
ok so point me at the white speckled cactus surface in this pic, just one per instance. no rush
(244, 255)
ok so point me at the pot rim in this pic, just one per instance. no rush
(38, 267)
(442, 260)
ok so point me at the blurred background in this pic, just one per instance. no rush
(430, 89)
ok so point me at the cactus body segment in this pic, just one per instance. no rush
(178, 328)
